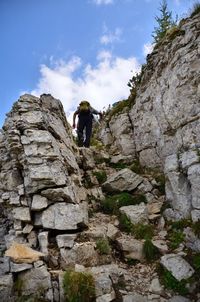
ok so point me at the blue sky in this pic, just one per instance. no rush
(75, 49)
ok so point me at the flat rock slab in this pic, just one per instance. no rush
(123, 180)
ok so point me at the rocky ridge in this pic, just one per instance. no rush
(107, 214)
(159, 124)
(48, 187)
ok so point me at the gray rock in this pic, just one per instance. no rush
(39, 203)
(22, 213)
(131, 248)
(62, 216)
(4, 265)
(43, 242)
(35, 280)
(134, 298)
(155, 287)
(19, 267)
(179, 299)
(66, 240)
(67, 194)
(124, 180)
(136, 213)
(194, 178)
(195, 215)
(6, 286)
(179, 268)
(81, 253)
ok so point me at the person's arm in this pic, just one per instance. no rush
(74, 119)
(93, 111)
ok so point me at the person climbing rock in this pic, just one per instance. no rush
(85, 118)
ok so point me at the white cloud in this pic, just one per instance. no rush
(99, 2)
(101, 85)
(147, 48)
(109, 37)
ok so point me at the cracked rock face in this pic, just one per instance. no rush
(164, 121)
(38, 167)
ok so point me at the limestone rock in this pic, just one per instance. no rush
(131, 248)
(67, 194)
(19, 267)
(21, 253)
(4, 265)
(22, 213)
(81, 253)
(66, 240)
(43, 242)
(124, 180)
(39, 203)
(134, 298)
(62, 216)
(136, 213)
(35, 280)
(179, 268)
(6, 286)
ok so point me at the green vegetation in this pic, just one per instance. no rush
(138, 230)
(18, 285)
(118, 166)
(111, 204)
(195, 9)
(165, 22)
(175, 237)
(101, 176)
(103, 246)
(135, 81)
(118, 108)
(196, 228)
(168, 280)
(136, 167)
(78, 287)
(150, 251)
(143, 231)
(125, 224)
(196, 262)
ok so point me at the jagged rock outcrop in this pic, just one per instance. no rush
(63, 207)
(163, 123)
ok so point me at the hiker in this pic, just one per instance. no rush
(85, 117)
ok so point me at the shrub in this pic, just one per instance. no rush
(196, 262)
(175, 238)
(125, 224)
(111, 204)
(101, 176)
(195, 9)
(142, 231)
(78, 287)
(150, 251)
(103, 246)
(118, 108)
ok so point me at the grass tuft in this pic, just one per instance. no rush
(78, 286)
(103, 246)
(150, 251)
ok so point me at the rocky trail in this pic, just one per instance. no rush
(118, 221)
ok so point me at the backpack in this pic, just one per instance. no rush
(84, 107)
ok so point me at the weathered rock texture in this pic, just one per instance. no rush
(162, 127)
(47, 186)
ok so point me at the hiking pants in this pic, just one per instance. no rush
(84, 124)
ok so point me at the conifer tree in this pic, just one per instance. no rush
(165, 22)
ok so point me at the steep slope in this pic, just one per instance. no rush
(159, 124)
